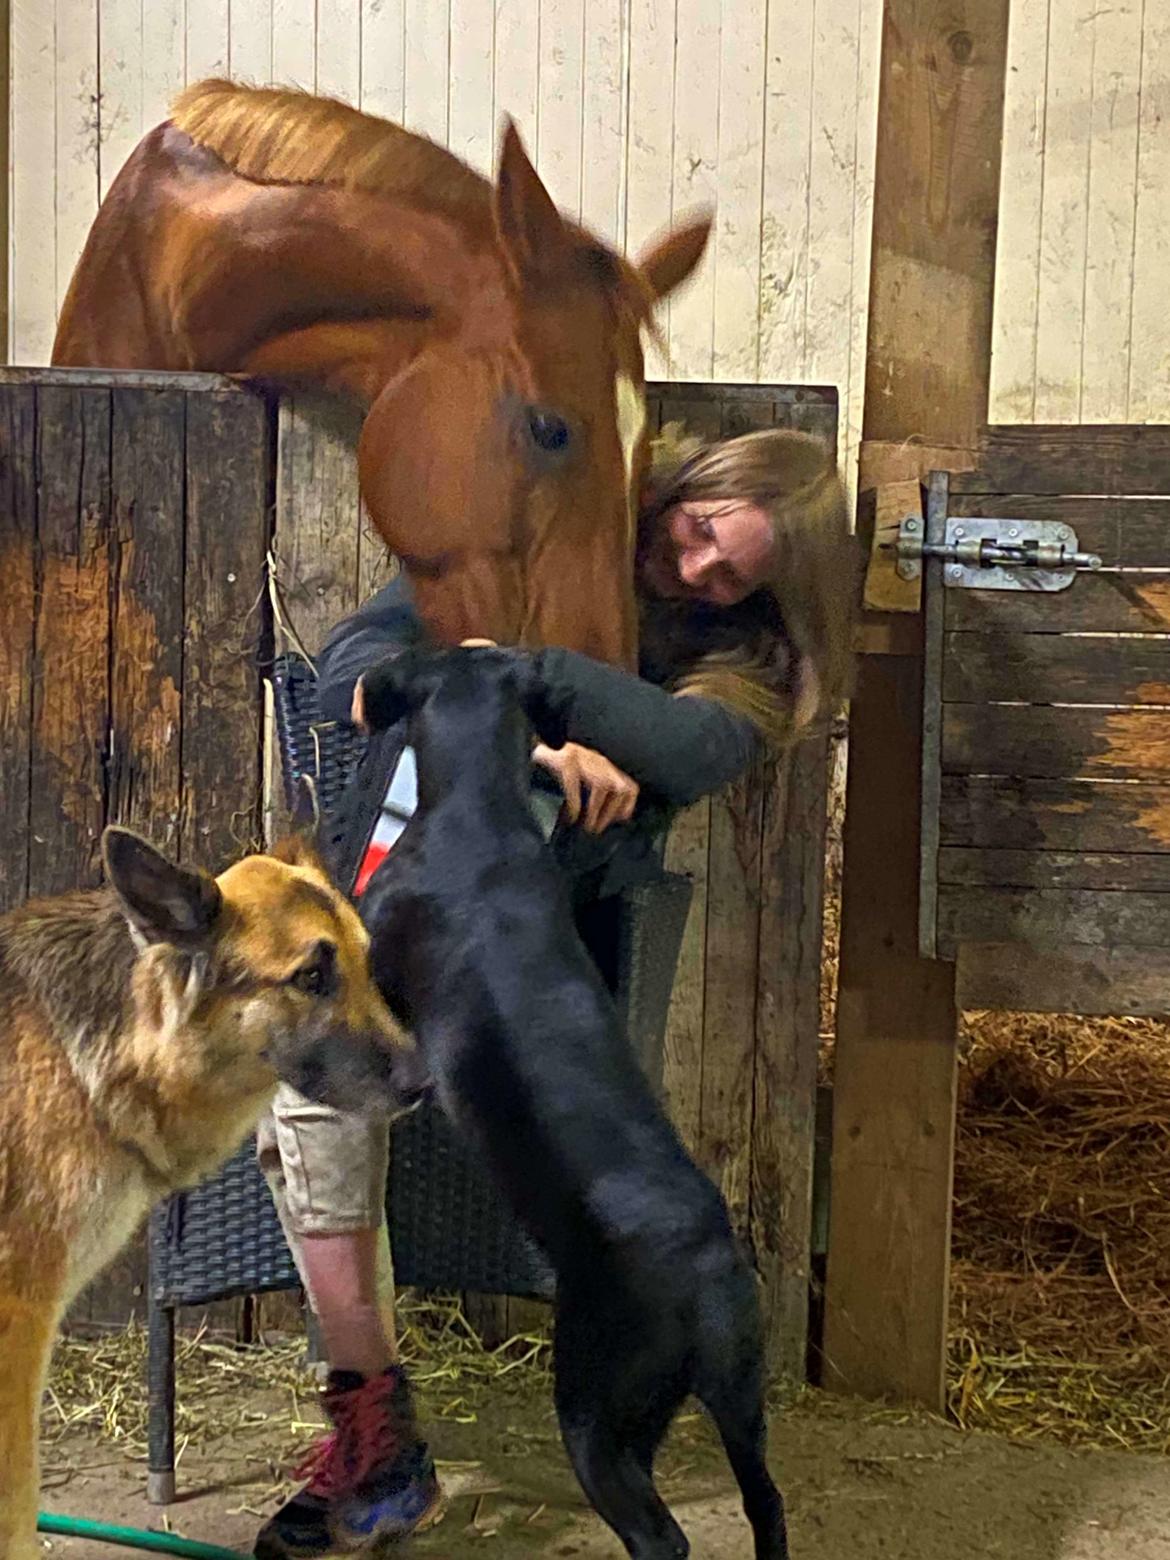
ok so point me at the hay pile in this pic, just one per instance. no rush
(259, 1402)
(1061, 1285)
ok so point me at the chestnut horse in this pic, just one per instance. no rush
(495, 345)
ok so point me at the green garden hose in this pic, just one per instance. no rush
(133, 1538)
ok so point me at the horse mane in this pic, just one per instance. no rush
(280, 135)
(275, 135)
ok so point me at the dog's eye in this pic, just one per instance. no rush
(310, 979)
(548, 432)
(318, 977)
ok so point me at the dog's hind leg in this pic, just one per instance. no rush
(611, 1445)
(735, 1400)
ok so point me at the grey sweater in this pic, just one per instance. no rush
(676, 749)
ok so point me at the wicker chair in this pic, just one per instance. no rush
(448, 1227)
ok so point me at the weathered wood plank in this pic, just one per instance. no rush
(1031, 741)
(745, 417)
(885, 589)
(70, 693)
(228, 477)
(1120, 871)
(894, 1078)
(1104, 603)
(118, 379)
(702, 418)
(815, 414)
(1053, 918)
(1076, 979)
(792, 873)
(18, 524)
(1103, 458)
(1021, 212)
(1149, 345)
(1132, 533)
(686, 852)
(738, 178)
(1040, 668)
(147, 491)
(1060, 290)
(733, 916)
(377, 565)
(317, 512)
(983, 811)
(936, 193)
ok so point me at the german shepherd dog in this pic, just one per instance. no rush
(475, 948)
(143, 1028)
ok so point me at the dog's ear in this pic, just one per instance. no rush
(547, 712)
(298, 848)
(394, 687)
(162, 902)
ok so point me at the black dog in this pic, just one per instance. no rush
(474, 946)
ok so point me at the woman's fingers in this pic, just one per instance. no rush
(357, 708)
(569, 776)
(612, 799)
(596, 791)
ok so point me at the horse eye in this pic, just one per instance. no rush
(549, 432)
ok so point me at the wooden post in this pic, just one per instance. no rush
(935, 204)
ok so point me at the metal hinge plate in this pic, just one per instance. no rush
(993, 554)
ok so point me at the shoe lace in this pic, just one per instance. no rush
(367, 1433)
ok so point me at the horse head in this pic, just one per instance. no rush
(502, 463)
(495, 346)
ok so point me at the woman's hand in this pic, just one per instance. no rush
(612, 794)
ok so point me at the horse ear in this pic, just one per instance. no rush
(531, 229)
(668, 262)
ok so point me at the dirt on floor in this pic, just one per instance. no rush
(859, 1483)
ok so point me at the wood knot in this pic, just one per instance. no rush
(962, 46)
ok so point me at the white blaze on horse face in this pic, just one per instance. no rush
(631, 419)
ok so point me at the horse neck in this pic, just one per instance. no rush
(235, 276)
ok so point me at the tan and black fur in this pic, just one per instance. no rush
(143, 1028)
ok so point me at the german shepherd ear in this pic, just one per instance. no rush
(163, 902)
(298, 848)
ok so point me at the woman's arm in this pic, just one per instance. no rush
(679, 747)
(388, 622)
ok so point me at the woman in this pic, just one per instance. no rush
(745, 571)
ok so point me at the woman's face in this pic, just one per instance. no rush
(715, 550)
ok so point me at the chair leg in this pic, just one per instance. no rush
(160, 1477)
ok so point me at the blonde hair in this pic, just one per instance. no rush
(783, 657)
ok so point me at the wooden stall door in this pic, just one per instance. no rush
(742, 1037)
(741, 1041)
(1046, 828)
(134, 522)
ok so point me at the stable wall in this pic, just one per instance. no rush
(635, 110)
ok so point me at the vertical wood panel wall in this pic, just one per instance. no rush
(1082, 332)
(636, 112)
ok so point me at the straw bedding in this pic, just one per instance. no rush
(1061, 1283)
